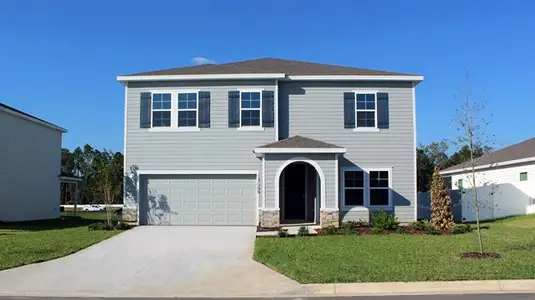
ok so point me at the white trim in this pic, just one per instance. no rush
(263, 182)
(259, 126)
(330, 209)
(124, 138)
(367, 188)
(250, 128)
(305, 160)
(366, 92)
(179, 129)
(366, 129)
(257, 205)
(32, 119)
(415, 175)
(300, 150)
(491, 166)
(358, 77)
(197, 172)
(336, 182)
(200, 77)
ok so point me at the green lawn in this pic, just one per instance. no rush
(24, 243)
(381, 258)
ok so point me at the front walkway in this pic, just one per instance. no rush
(155, 262)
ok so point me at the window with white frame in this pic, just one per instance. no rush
(187, 109)
(366, 110)
(161, 110)
(379, 188)
(354, 188)
(367, 188)
(250, 109)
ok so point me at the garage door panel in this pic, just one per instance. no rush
(201, 200)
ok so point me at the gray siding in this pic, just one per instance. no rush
(325, 161)
(215, 148)
(30, 160)
(315, 110)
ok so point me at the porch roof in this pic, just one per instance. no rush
(300, 144)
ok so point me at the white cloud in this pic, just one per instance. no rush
(199, 60)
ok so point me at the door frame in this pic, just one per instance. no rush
(319, 172)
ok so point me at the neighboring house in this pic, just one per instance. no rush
(505, 180)
(268, 141)
(30, 163)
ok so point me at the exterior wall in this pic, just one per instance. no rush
(500, 192)
(325, 161)
(315, 110)
(30, 160)
(510, 174)
(214, 148)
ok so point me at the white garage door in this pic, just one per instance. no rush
(199, 200)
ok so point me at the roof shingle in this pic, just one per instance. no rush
(521, 150)
(298, 141)
(269, 65)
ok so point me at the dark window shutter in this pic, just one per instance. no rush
(145, 110)
(204, 109)
(349, 110)
(268, 103)
(233, 109)
(382, 110)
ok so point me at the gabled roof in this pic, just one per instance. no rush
(517, 153)
(20, 114)
(300, 144)
(269, 65)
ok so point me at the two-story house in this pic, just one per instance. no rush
(268, 141)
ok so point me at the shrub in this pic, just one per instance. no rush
(418, 225)
(330, 230)
(402, 230)
(432, 229)
(384, 221)
(99, 226)
(303, 231)
(283, 233)
(461, 228)
(349, 225)
(122, 225)
(362, 223)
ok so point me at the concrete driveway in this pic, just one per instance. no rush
(155, 262)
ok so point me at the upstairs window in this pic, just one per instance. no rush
(250, 109)
(187, 110)
(366, 110)
(524, 176)
(161, 110)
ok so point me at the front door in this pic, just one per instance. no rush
(294, 192)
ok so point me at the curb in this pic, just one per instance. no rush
(422, 288)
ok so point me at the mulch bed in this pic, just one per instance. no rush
(369, 230)
(264, 229)
(479, 255)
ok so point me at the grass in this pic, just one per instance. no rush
(382, 258)
(23, 243)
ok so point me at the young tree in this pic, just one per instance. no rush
(108, 178)
(472, 126)
(441, 214)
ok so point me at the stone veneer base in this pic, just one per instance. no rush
(329, 218)
(269, 218)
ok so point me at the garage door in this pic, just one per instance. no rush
(199, 200)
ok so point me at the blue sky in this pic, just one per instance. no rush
(59, 59)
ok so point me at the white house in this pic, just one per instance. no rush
(505, 181)
(30, 165)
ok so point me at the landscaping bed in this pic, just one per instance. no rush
(404, 257)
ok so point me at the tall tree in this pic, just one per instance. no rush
(473, 138)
